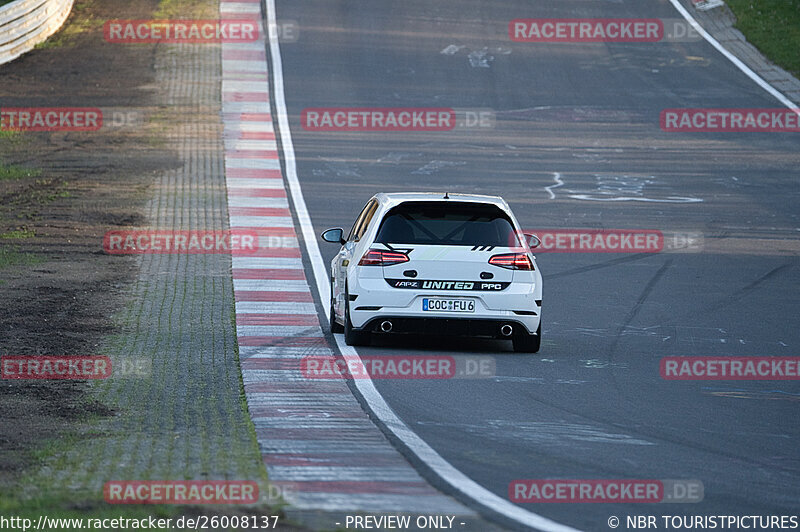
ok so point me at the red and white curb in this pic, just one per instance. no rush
(317, 442)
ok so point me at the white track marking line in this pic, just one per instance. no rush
(557, 179)
(732, 58)
(380, 408)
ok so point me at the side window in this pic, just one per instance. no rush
(357, 224)
(371, 210)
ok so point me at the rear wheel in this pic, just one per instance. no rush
(528, 343)
(351, 336)
(335, 326)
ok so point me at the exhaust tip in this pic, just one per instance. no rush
(506, 330)
(386, 326)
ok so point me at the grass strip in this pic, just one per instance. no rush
(772, 26)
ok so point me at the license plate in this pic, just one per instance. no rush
(448, 305)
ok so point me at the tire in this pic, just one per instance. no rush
(528, 343)
(335, 326)
(351, 336)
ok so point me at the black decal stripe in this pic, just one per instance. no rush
(454, 286)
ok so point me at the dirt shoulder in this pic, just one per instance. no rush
(59, 193)
(155, 163)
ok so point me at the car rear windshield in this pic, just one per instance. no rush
(447, 223)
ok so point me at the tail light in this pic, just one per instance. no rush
(377, 257)
(512, 261)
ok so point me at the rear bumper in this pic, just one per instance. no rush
(467, 327)
(372, 299)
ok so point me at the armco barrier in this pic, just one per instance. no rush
(707, 5)
(26, 23)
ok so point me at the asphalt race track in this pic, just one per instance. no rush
(574, 142)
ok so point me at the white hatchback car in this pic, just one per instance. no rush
(439, 264)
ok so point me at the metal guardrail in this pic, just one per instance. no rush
(707, 5)
(26, 23)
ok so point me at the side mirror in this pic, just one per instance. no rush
(334, 236)
(532, 240)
